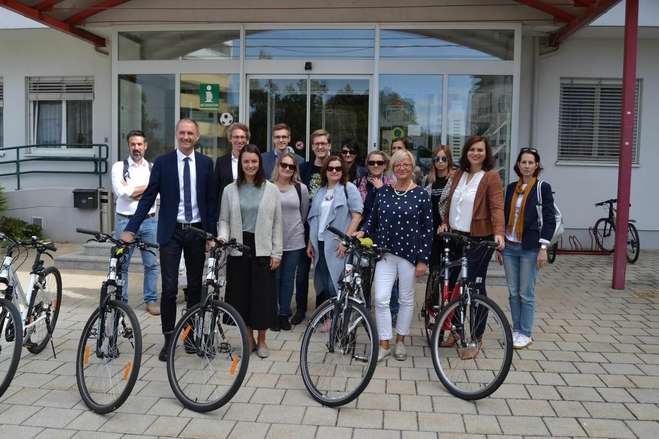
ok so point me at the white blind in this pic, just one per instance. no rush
(590, 120)
(49, 88)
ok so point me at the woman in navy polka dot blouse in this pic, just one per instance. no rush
(401, 221)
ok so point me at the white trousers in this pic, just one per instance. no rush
(386, 271)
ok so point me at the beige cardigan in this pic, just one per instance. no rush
(268, 235)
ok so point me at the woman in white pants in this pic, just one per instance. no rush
(401, 221)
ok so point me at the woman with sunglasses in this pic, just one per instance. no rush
(526, 243)
(377, 162)
(349, 155)
(337, 203)
(294, 208)
(400, 221)
(438, 186)
(475, 209)
(251, 214)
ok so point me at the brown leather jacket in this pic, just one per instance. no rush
(487, 217)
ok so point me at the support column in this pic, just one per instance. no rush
(626, 142)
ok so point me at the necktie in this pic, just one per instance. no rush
(187, 194)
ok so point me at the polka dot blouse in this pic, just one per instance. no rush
(402, 223)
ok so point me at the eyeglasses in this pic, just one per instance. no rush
(376, 163)
(320, 144)
(403, 165)
(287, 166)
(529, 150)
(348, 152)
(282, 137)
(334, 169)
(440, 158)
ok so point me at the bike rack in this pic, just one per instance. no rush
(577, 248)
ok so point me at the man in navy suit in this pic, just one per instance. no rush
(184, 180)
(226, 167)
(281, 137)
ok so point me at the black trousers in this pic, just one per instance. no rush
(193, 247)
(302, 284)
(251, 287)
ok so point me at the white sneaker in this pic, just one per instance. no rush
(522, 341)
(515, 338)
(383, 353)
(399, 351)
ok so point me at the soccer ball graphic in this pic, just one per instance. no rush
(226, 119)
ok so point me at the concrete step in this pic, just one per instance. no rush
(94, 248)
(81, 261)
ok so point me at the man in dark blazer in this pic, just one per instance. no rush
(281, 137)
(184, 180)
(226, 167)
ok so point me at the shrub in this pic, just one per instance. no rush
(18, 229)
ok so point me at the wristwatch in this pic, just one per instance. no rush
(543, 246)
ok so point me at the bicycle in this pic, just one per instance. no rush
(604, 232)
(109, 352)
(27, 321)
(209, 353)
(338, 359)
(468, 323)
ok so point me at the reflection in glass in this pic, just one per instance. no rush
(310, 44)
(146, 102)
(170, 45)
(340, 106)
(273, 101)
(213, 120)
(481, 105)
(447, 44)
(411, 106)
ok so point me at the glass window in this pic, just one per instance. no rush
(411, 106)
(61, 111)
(169, 45)
(478, 44)
(310, 44)
(2, 102)
(214, 112)
(589, 127)
(146, 102)
(481, 105)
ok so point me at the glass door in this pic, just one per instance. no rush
(307, 103)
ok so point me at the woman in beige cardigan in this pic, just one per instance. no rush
(251, 214)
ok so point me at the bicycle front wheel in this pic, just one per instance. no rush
(336, 373)
(11, 341)
(45, 309)
(481, 328)
(605, 234)
(431, 303)
(633, 244)
(208, 356)
(108, 357)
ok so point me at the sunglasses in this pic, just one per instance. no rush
(287, 166)
(439, 158)
(348, 152)
(529, 150)
(334, 169)
(376, 163)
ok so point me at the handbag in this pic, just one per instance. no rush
(558, 216)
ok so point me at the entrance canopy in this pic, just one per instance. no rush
(559, 18)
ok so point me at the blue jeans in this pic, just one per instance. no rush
(286, 279)
(147, 232)
(521, 274)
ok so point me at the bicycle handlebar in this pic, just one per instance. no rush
(468, 240)
(611, 201)
(353, 241)
(104, 237)
(33, 242)
(232, 243)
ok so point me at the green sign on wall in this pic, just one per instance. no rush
(209, 96)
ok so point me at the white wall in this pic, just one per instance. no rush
(579, 187)
(46, 52)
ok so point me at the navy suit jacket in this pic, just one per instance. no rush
(531, 233)
(223, 177)
(164, 181)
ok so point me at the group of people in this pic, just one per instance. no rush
(279, 205)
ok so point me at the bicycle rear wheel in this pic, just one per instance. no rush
(45, 310)
(605, 234)
(633, 244)
(336, 376)
(11, 341)
(208, 356)
(480, 325)
(107, 365)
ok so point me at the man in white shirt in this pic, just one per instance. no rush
(129, 180)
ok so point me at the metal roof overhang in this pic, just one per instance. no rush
(565, 17)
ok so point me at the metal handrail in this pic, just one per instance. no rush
(99, 160)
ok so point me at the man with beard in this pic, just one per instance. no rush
(129, 180)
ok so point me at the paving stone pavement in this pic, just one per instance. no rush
(593, 371)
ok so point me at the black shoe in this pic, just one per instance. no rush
(297, 318)
(164, 352)
(284, 324)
